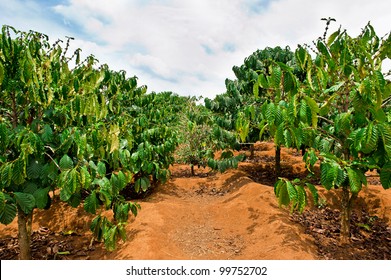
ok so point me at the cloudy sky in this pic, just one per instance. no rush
(188, 46)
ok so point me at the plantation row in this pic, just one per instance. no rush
(100, 139)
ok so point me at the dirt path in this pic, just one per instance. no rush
(224, 216)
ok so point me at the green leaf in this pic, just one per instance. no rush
(110, 237)
(106, 197)
(324, 178)
(301, 198)
(34, 169)
(385, 134)
(370, 138)
(134, 207)
(301, 57)
(385, 175)
(314, 193)
(332, 37)
(276, 77)
(8, 214)
(256, 89)
(354, 180)
(85, 178)
(142, 183)
(281, 192)
(114, 132)
(66, 163)
(4, 136)
(74, 200)
(323, 48)
(47, 134)
(6, 174)
(19, 171)
(42, 198)
(262, 82)
(271, 113)
(25, 201)
(122, 232)
(91, 203)
(279, 135)
(101, 168)
(334, 88)
(2, 201)
(1, 73)
(314, 110)
(121, 212)
(98, 226)
(121, 180)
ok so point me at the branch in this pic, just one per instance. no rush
(326, 120)
(385, 102)
(59, 168)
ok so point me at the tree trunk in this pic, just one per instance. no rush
(192, 170)
(345, 216)
(278, 162)
(24, 234)
(346, 212)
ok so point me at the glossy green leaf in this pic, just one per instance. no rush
(101, 168)
(25, 201)
(34, 169)
(8, 214)
(42, 198)
(142, 183)
(354, 180)
(91, 203)
(66, 163)
(19, 171)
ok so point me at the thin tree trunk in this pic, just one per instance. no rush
(278, 162)
(345, 216)
(192, 170)
(24, 234)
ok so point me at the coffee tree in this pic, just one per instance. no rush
(202, 136)
(347, 93)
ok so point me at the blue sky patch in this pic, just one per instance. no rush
(229, 47)
(208, 50)
(146, 69)
(255, 7)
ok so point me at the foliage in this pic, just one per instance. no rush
(238, 108)
(343, 100)
(202, 138)
(89, 131)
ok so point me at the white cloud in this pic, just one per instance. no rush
(189, 47)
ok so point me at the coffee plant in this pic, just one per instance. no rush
(345, 94)
(203, 137)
